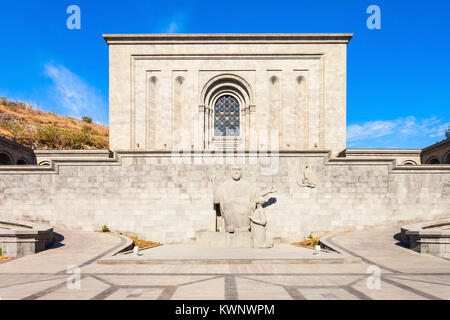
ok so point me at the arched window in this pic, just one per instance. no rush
(5, 159)
(21, 162)
(226, 116)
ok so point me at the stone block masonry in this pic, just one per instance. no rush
(146, 194)
(165, 91)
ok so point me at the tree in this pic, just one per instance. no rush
(86, 119)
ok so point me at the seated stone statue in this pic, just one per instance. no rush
(236, 198)
(241, 207)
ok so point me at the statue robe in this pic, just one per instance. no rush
(237, 203)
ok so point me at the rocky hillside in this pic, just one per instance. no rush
(38, 129)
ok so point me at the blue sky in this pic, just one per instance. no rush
(398, 83)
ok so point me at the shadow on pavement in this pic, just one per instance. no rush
(57, 243)
(400, 243)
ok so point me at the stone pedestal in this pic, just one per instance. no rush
(238, 239)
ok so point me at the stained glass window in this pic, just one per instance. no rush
(226, 116)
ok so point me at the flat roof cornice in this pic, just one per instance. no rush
(228, 37)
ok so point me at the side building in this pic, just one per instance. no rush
(13, 153)
(438, 153)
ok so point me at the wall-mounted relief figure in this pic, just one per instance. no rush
(306, 177)
(259, 221)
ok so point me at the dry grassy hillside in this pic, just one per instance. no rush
(45, 130)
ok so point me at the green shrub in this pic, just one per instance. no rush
(310, 237)
(86, 119)
(105, 228)
(49, 136)
(15, 128)
(58, 138)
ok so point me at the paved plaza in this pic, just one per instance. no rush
(51, 274)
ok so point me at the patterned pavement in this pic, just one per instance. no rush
(53, 274)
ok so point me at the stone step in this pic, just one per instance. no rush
(196, 254)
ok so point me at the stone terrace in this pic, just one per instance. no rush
(405, 274)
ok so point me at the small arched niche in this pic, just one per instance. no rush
(153, 80)
(179, 80)
(274, 80)
(409, 163)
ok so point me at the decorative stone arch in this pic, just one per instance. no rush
(6, 158)
(22, 162)
(433, 160)
(409, 163)
(217, 87)
(229, 93)
(231, 80)
(446, 158)
(44, 163)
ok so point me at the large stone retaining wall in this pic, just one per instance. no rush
(148, 195)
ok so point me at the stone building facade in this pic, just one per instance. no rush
(288, 91)
(171, 92)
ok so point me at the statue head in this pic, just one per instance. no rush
(236, 173)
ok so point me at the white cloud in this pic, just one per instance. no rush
(372, 129)
(176, 22)
(173, 27)
(406, 132)
(74, 94)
